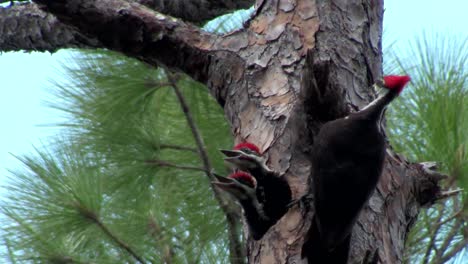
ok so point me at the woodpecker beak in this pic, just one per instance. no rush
(239, 190)
(244, 161)
(231, 153)
(222, 179)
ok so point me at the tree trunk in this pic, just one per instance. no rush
(304, 63)
(296, 65)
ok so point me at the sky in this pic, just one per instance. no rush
(25, 77)
(24, 117)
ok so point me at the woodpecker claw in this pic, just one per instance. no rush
(371, 257)
(303, 201)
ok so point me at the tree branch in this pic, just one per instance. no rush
(176, 147)
(119, 242)
(164, 163)
(94, 218)
(196, 11)
(139, 32)
(461, 245)
(237, 255)
(432, 240)
(26, 27)
(449, 236)
(157, 234)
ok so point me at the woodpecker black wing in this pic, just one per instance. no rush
(347, 164)
(347, 160)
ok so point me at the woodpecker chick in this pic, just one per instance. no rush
(242, 186)
(347, 160)
(272, 191)
(247, 157)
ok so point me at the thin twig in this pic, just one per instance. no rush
(235, 246)
(157, 234)
(462, 244)
(11, 255)
(431, 245)
(95, 219)
(38, 238)
(177, 147)
(449, 237)
(450, 218)
(447, 194)
(118, 241)
(164, 163)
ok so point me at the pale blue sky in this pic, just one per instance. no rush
(24, 77)
(23, 114)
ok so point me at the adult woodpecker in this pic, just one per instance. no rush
(272, 190)
(242, 186)
(347, 160)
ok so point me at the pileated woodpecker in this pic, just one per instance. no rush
(243, 187)
(272, 190)
(347, 160)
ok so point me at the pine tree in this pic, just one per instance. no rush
(131, 180)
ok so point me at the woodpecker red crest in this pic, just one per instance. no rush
(244, 178)
(396, 82)
(247, 145)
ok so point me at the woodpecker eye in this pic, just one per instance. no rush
(248, 151)
(245, 158)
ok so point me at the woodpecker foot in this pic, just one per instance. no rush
(303, 202)
(371, 257)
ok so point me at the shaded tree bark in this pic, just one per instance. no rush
(295, 65)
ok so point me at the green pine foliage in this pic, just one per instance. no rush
(125, 181)
(429, 122)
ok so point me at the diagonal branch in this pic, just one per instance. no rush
(11, 255)
(94, 218)
(196, 11)
(449, 237)
(176, 147)
(456, 249)
(26, 27)
(157, 233)
(432, 240)
(235, 246)
(163, 163)
(119, 242)
(139, 32)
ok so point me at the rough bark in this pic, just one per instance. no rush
(23, 26)
(196, 11)
(296, 65)
(26, 27)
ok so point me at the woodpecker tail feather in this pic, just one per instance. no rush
(316, 252)
(311, 249)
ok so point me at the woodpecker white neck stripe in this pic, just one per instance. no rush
(375, 101)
